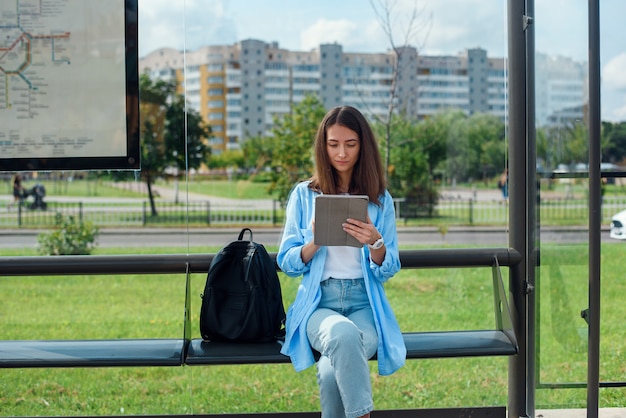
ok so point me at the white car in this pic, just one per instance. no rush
(618, 225)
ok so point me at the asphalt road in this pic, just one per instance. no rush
(216, 237)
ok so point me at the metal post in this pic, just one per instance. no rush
(593, 359)
(274, 213)
(520, 205)
(532, 220)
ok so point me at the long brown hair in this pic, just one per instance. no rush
(368, 175)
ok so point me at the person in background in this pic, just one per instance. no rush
(503, 184)
(18, 191)
(340, 309)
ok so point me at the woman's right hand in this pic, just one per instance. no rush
(310, 248)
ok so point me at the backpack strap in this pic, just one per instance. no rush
(243, 231)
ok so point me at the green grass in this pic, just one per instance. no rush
(138, 306)
(236, 189)
(84, 188)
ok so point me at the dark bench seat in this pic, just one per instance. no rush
(459, 344)
(91, 353)
(419, 345)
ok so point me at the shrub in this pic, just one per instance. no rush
(70, 237)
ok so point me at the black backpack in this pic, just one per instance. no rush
(242, 299)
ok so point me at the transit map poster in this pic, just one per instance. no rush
(68, 85)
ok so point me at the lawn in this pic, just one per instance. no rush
(236, 189)
(136, 306)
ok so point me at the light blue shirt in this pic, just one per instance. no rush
(391, 352)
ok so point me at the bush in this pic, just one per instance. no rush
(70, 237)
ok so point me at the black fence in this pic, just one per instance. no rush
(457, 212)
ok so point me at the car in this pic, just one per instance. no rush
(618, 225)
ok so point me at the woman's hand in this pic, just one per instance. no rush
(364, 232)
(309, 249)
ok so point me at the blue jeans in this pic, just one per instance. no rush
(342, 329)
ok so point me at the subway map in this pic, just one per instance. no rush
(62, 78)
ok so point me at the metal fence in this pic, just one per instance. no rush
(140, 214)
(561, 212)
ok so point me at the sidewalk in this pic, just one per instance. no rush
(580, 413)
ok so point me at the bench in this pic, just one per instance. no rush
(185, 351)
(499, 341)
(92, 353)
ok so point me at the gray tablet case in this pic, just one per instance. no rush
(331, 211)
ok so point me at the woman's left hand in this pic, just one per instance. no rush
(364, 232)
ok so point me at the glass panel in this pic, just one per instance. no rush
(612, 331)
(562, 163)
(562, 141)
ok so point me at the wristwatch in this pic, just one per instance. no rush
(377, 244)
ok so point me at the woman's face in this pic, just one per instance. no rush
(342, 146)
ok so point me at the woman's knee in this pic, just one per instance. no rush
(345, 333)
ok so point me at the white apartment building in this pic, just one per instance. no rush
(561, 90)
(239, 89)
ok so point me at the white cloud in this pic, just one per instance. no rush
(613, 91)
(160, 25)
(619, 114)
(613, 105)
(328, 31)
(435, 29)
(459, 25)
(190, 24)
(613, 74)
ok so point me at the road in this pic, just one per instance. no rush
(217, 237)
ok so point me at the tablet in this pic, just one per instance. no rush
(331, 211)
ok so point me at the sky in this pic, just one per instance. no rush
(442, 27)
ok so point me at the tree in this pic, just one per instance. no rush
(577, 143)
(257, 152)
(451, 142)
(172, 135)
(457, 164)
(390, 23)
(475, 146)
(292, 142)
(614, 142)
(486, 139)
(153, 111)
(419, 147)
(185, 138)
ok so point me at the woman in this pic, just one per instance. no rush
(340, 309)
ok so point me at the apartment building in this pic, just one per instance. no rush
(561, 90)
(239, 89)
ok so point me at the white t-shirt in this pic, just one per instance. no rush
(343, 263)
